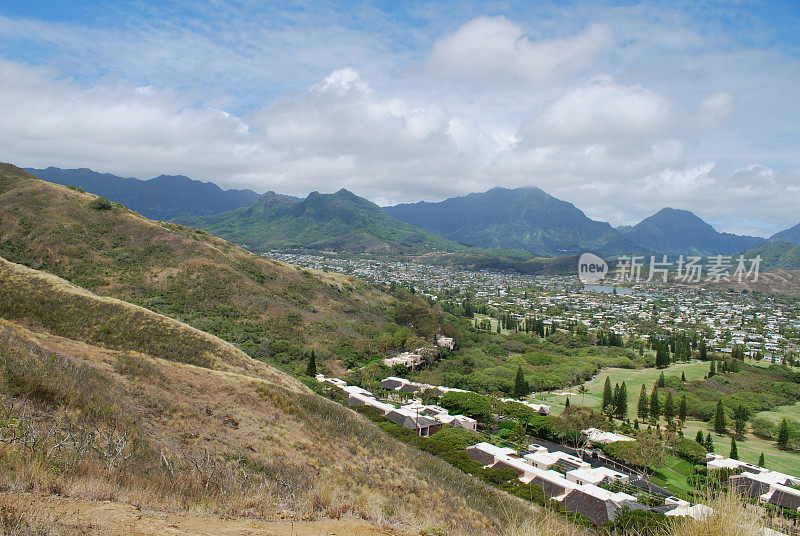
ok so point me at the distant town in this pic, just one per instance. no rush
(764, 327)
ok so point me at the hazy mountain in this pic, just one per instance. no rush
(161, 198)
(523, 218)
(789, 235)
(674, 232)
(341, 221)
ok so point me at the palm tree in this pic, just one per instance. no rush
(582, 390)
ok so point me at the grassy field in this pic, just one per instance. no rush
(633, 378)
(790, 412)
(674, 476)
(750, 449)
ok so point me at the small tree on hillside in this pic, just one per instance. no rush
(783, 434)
(521, 387)
(311, 368)
(761, 460)
(740, 416)
(734, 451)
(662, 381)
(699, 437)
(719, 419)
(709, 443)
(582, 390)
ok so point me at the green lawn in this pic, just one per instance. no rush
(673, 476)
(791, 412)
(633, 378)
(750, 449)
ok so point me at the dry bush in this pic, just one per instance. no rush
(731, 517)
(545, 523)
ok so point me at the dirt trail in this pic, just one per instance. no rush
(70, 516)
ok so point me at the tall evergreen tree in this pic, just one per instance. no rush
(761, 460)
(740, 416)
(643, 406)
(669, 407)
(719, 419)
(683, 376)
(699, 437)
(566, 404)
(655, 404)
(734, 451)
(709, 443)
(622, 401)
(783, 434)
(608, 395)
(682, 409)
(520, 385)
(712, 369)
(311, 368)
(703, 350)
(662, 381)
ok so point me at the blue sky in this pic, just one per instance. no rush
(621, 108)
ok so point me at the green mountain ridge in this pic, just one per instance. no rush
(776, 255)
(341, 221)
(522, 218)
(674, 232)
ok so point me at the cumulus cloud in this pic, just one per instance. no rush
(601, 111)
(492, 51)
(621, 126)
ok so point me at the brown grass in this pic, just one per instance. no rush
(215, 441)
(38, 299)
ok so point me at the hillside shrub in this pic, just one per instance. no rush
(690, 450)
(101, 203)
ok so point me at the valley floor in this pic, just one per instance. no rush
(68, 516)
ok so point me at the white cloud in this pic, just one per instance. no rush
(601, 111)
(663, 113)
(493, 51)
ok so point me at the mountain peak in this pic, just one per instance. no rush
(675, 231)
(523, 218)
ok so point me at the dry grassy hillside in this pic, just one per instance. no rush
(128, 420)
(265, 307)
(778, 282)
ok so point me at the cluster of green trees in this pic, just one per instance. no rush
(651, 408)
(662, 353)
(615, 401)
(723, 366)
(609, 338)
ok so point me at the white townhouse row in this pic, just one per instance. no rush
(759, 483)
(426, 420)
(394, 383)
(578, 488)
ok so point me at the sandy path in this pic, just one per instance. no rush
(78, 516)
